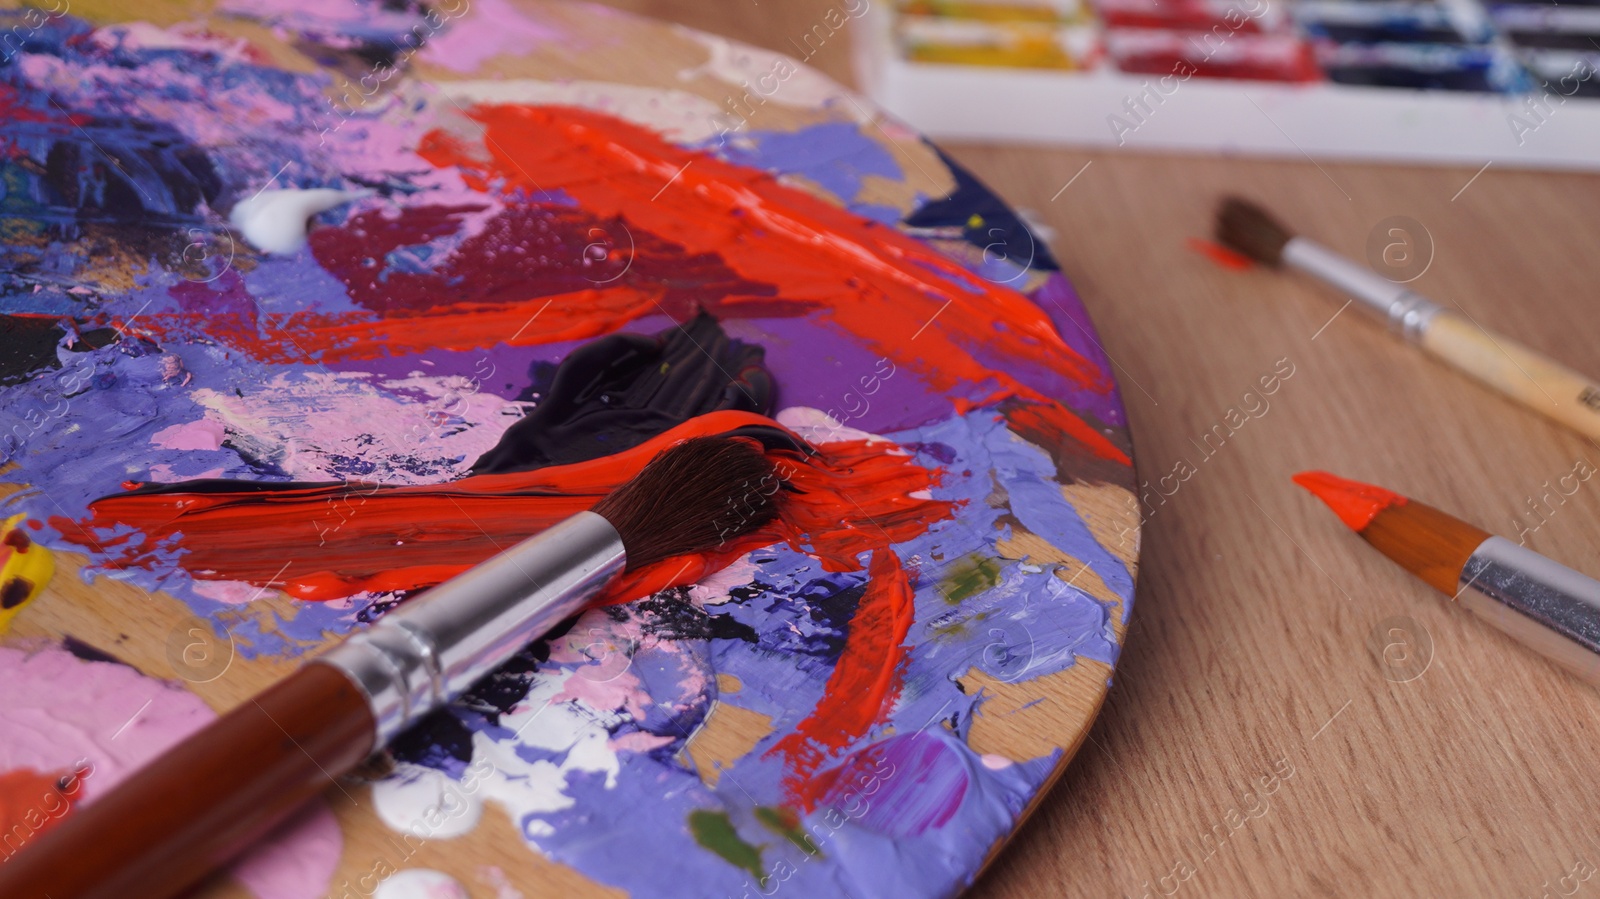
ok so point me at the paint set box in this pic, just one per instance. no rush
(1449, 81)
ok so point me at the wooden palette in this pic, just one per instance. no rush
(870, 711)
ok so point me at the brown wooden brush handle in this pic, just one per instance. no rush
(191, 810)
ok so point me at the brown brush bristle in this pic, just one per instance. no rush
(1428, 543)
(1431, 544)
(1246, 228)
(693, 497)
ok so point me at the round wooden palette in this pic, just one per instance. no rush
(870, 709)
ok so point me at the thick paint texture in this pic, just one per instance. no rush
(533, 288)
(923, 781)
(353, 539)
(776, 234)
(1355, 503)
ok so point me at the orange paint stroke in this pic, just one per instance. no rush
(1051, 427)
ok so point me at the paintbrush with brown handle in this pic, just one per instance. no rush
(194, 808)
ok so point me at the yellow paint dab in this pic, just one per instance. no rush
(25, 568)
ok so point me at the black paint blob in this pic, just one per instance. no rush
(616, 392)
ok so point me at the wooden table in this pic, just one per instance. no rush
(1256, 645)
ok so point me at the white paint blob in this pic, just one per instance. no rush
(426, 803)
(995, 762)
(563, 726)
(277, 220)
(420, 883)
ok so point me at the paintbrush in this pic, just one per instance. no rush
(192, 809)
(1537, 601)
(1518, 372)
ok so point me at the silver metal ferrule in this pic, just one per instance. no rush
(1407, 314)
(1544, 604)
(431, 649)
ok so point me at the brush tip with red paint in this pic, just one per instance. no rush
(1355, 503)
(1545, 605)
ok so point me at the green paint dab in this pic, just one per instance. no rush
(785, 823)
(969, 575)
(715, 832)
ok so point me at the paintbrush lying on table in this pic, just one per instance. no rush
(1543, 604)
(193, 809)
(1516, 371)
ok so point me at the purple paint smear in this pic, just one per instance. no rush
(813, 367)
(1058, 298)
(923, 779)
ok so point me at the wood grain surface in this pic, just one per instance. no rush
(1253, 635)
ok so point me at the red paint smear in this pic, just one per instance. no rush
(859, 273)
(32, 803)
(764, 250)
(1052, 427)
(1220, 254)
(728, 239)
(14, 109)
(342, 540)
(301, 336)
(863, 684)
(1355, 503)
(525, 251)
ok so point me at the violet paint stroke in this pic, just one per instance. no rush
(146, 342)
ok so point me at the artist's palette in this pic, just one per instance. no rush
(581, 235)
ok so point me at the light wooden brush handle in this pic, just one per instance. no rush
(1520, 373)
(1528, 377)
(195, 807)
